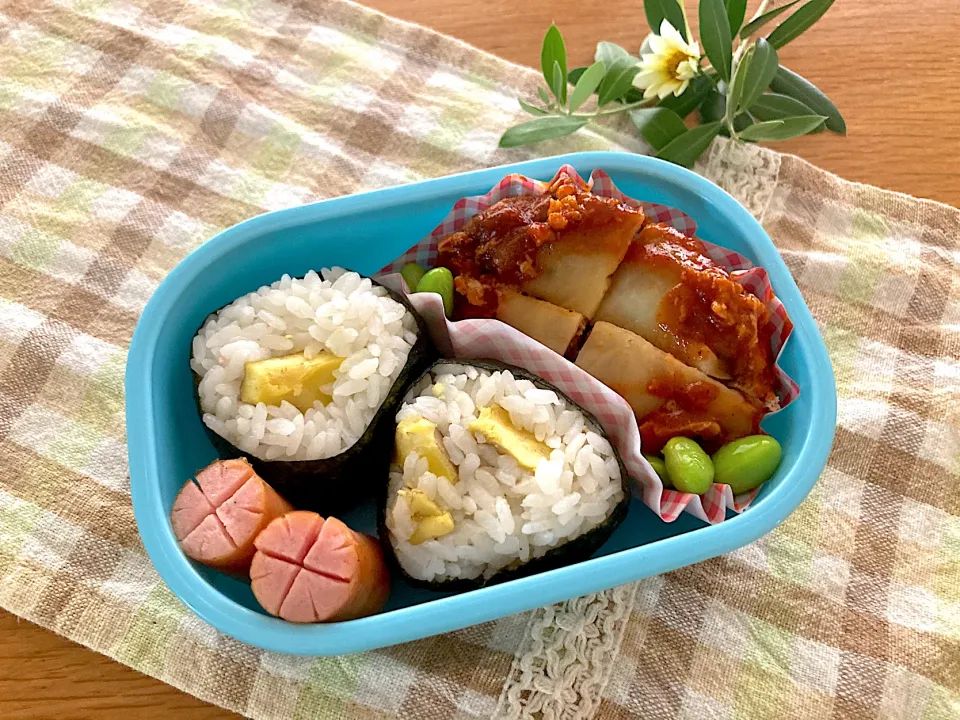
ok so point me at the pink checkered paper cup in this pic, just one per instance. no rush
(491, 339)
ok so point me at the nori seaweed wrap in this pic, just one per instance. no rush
(497, 474)
(303, 378)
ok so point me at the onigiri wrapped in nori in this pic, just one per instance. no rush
(496, 474)
(303, 377)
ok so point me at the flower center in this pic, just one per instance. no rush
(673, 62)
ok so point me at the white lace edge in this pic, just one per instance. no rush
(565, 658)
(568, 651)
(748, 172)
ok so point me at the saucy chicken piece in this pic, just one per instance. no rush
(675, 297)
(561, 247)
(553, 326)
(668, 397)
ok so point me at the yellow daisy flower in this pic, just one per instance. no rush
(671, 65)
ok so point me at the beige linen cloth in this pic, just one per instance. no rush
(133, 130)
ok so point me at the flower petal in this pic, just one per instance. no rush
(655, 63)
(669, 32)
(657, 44)
(666, 89)
(645, 45)
(650, 92)
(687, 70)
(646, 79)
(683, 86)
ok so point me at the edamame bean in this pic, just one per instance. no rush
(439, 280)
(747, 463)
(659, 468)
(688, 466)
(412, 275)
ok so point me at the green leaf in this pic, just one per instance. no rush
(787, 82)
(736, 11)
(714, 107)
(543, 128)
(685, 149)
(690, 100)
(739, 123)
(619, 80)
(737, 82)
(742, 121)
(658, 126)
(772, 106)
(559, 84)
(542, 94)
(799, 22)
(782, 129)
(554, 52)
(575, 74)
(715, 36)
(751, 27)
(587, 83)
(532, 109)
(758, 76)
(659, 10)
(608, 53)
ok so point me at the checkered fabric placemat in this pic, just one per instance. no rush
(133, 130)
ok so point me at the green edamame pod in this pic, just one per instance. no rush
(439, 280)
(747, 463)
(659, 468)
(412, 274)
(688, 466)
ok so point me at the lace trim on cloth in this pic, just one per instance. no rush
(748, 172)
(568, 651)
(564, 661)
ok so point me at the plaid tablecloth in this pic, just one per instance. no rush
(133, 130)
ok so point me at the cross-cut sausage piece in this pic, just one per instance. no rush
(216, 518)
(310, 569)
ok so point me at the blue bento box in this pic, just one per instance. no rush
(167, 442)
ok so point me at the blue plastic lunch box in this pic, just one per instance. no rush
(167, 443)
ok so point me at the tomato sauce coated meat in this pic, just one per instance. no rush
(685, 412)
(499, 246)
(708, 307)
(639, 305)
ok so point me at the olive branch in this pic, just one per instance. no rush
(737, 85)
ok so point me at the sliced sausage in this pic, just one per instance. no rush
(310, 569)
(216, 518)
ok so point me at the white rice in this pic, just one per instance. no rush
(503, 514)
(343, 313)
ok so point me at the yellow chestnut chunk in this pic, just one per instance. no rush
(290, 377)
(420, 505)
(431, 528)
(432, 521)
(415, 434)
(494, 423)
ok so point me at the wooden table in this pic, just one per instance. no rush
(890, 66)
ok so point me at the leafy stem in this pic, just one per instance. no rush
(760, 10)
(620, 109)
(736, 84)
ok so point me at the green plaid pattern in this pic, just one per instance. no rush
(133, 130)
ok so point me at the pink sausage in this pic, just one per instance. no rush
(216, 518)
(308, 569)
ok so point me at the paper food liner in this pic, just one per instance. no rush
(491, 339)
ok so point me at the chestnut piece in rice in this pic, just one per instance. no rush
(497, 474)
(303, 377)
